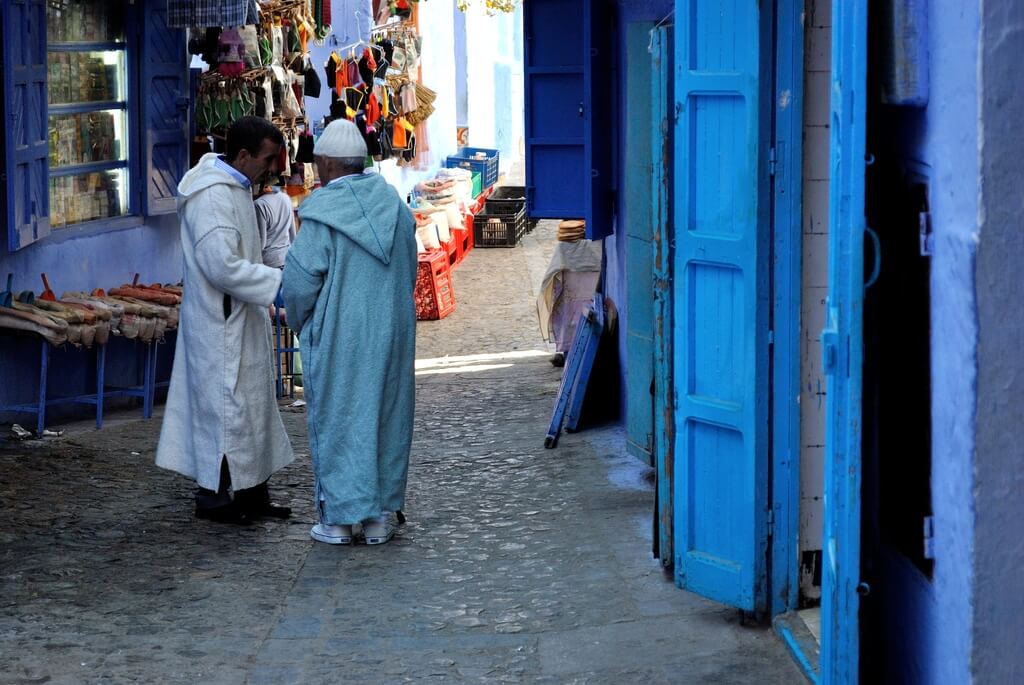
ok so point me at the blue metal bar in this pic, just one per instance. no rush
(101, 364)
(147, 380)
(86, 46)
(277, 349)
(44, 365)
(92, 167)
(152, 376)
(85, 107)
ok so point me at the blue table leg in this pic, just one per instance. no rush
(152, 376)
(101, 364)
(147, 382)
(44, 365)
(277, 352)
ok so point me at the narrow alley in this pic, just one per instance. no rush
(517, 564)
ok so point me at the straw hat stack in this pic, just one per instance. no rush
(572, 230)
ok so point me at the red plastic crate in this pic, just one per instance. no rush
(435, 293)
(459, 238)
(451, 248)
(467, 240)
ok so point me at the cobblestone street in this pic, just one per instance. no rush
(517, 564)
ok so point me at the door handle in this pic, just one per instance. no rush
(876, 270)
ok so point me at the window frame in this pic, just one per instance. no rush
(135, 123)
(158, 154)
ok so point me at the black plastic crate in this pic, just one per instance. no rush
(498, 230)
(506, 200)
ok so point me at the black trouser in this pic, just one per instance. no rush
(253, 497)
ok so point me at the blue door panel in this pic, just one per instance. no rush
(639, 230)
(661, 253)
(720, 300)
(26, 143)
(599, 77)
(640, 348)
(568, 53)
(554, 30)
(562, 197)
(842, 346)
(165, 110)
(560, 98)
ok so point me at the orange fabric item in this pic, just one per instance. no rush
(372, 110)
(398, 138)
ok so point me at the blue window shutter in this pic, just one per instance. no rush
(721, 299)
(567, 175)
(165, 91)
(26, 147)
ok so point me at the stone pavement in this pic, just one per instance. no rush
(518, 564)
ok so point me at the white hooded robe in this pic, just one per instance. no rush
(221, 402)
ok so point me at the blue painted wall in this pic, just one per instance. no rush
(493, 56)
(930, 642)
(998, 484)
(76, 260)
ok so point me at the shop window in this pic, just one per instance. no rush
(88, 128)
(95, 95)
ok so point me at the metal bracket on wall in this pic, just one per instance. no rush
(927, 237)
(929, 537)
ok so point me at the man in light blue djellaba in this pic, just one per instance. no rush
(348, 284)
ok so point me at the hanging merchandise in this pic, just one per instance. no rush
(375, 84)
(262, 68)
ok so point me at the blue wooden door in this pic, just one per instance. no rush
(662, 115)
(842, 346)
(721, 299)
(639, 229)
(25, 143)
(566, 175)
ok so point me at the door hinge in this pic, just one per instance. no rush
(924, 220)
(771, 522)
(929, 537)
(772, 161)
(830, 340)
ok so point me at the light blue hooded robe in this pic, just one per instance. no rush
(348, 285)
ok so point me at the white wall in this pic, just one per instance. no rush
(495, 81)
(814, 278)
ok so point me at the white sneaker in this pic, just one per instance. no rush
(379, 530)
(332, 535)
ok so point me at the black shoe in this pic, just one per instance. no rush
(229, 513)
(558, 361)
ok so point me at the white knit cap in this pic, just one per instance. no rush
(341, 138)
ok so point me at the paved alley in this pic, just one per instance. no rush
(518, 564)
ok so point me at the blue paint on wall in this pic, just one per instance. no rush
(461, 60)
(930, 642)
(83, 261)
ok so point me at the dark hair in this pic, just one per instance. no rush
(352, 165)
(248, 133)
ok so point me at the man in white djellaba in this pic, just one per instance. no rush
(221, 425)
